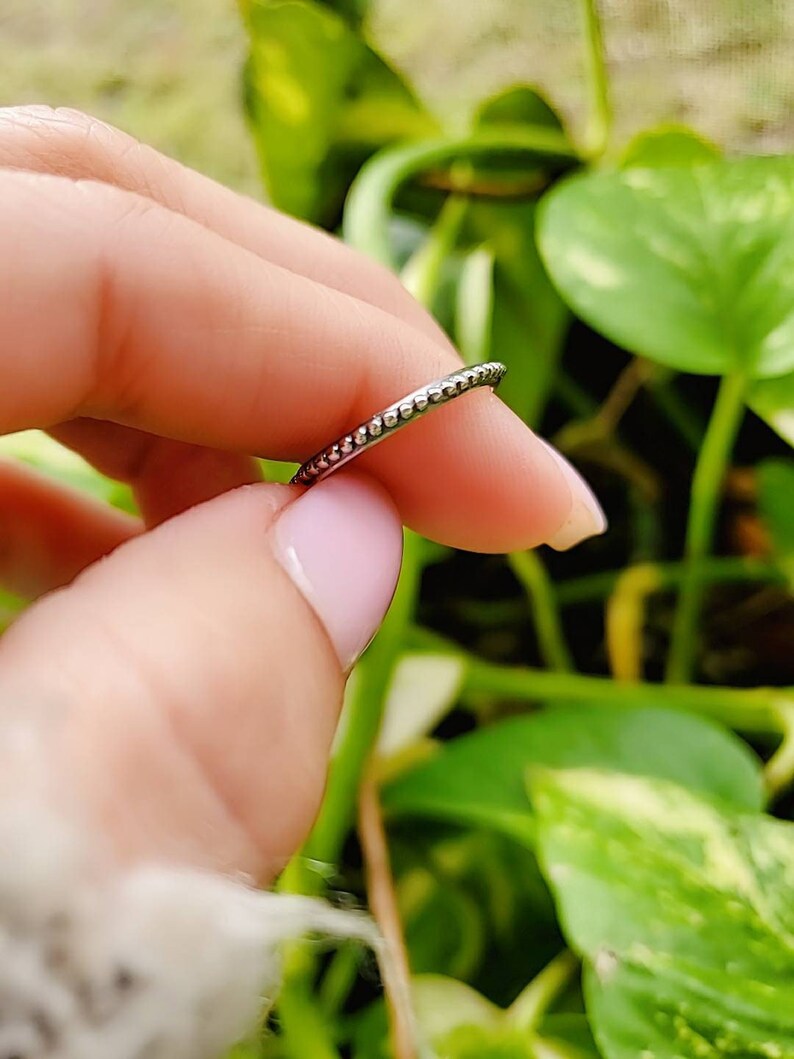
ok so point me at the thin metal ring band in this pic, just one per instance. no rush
(381, 426)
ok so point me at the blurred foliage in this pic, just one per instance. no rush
(582, 766)
(608, 278)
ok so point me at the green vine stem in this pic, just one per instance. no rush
(306, 1029)
(746, 709)
(625, 620)
(533, 576)
(368, 210)
(422, 275)
(752, 710)
(363, 715)
(730, 569)
(706, 490)
(779, 770)
(600, 118)
(534, 1001)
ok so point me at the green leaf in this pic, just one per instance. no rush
(773, 401)
(477, 1042)
(444, 926)
(474, 306)
(526, 320)
(320, 102)
(566, 1036)
(776, 503)
(668, 145)
(423, 690)
(480, 778)
(511, 112)
(681, 910)
(690, 267)
(465, 895)
(441, 1005)
(517, 105)
(444, 1004)
(522, 320)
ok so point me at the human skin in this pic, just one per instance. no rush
(169, 330)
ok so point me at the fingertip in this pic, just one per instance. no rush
(475, 477)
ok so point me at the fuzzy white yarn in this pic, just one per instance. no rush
(152, 962)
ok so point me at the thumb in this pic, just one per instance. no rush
(185, 691)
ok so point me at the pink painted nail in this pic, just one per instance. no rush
(341, 543)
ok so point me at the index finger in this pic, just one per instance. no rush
(120, 309)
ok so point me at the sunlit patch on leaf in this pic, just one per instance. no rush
(689, 266)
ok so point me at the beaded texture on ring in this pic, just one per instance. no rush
(381, 426)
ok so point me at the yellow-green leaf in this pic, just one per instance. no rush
(682, 910)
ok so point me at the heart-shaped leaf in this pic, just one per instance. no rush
(480, 778)
(681, 910)
(692, 267)
(517, 105)
(668, 145)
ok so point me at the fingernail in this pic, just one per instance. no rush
(341, 543)
(586, 517)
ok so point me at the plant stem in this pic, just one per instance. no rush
(779, 770)
(363, 716)
(625, 620)
(338, 980)
(306, 1034)
(369, 202)
(383, 902)
(713, 570)
(533, 576)
(746, 709)
(534, 1001)
(707, 482)
(422, 274)
(760, 710)
(624, 390)
(600, 119)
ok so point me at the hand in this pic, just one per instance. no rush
(187, 687)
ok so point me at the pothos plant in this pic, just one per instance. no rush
(556, 783)
(561, 783)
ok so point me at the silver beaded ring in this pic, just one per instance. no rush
(381, 426)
